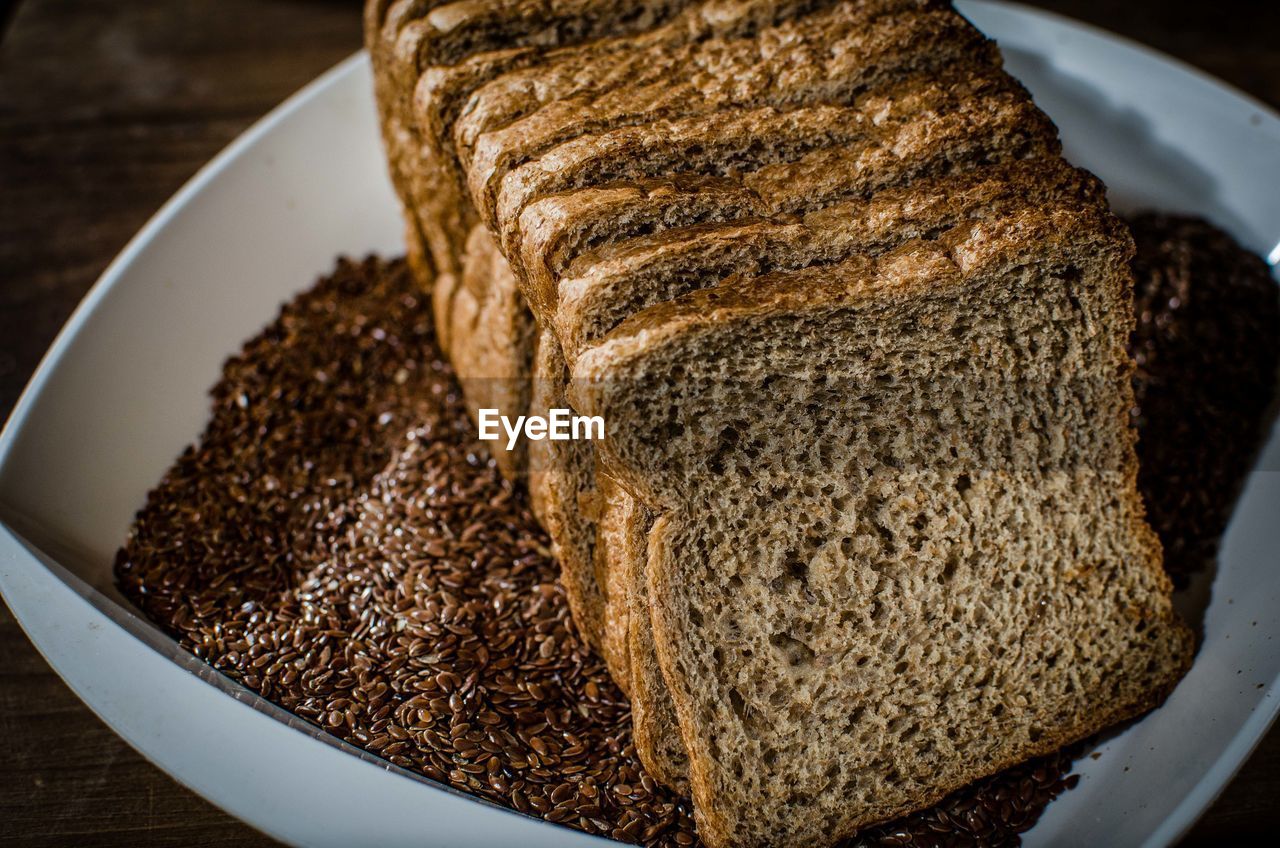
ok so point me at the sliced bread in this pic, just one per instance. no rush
(899, 542)
(615, 532)
(724, 144)
(562, 485)
(492, 343)
(562, 234)
(826, 57)
(932, 210)
(624, 547)
(857, 421)
(647, 271)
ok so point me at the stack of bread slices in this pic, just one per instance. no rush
(864, 524)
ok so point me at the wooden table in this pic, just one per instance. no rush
(106, 108)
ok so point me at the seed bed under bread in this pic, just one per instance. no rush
(271, 530)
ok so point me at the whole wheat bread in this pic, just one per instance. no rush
(872, 45)
(1028, 136)
(488, 339)
(689, 244)
(623, 549)
(865, 229)
(563, 488)
(650, 270)
(947, 569)
(491, 341)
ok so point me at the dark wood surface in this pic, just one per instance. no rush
(106, 108)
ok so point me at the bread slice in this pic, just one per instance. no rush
(929, 208)
(418, 132)
(559, 229)
(623, 546)
(590, 70)
(428, 58)
(395, 48)
(641, 701)
(647, 271)
(490, 338)
(615, 537)
(917, 128)
(495, 342)
(722, 144)
(464, 44)
(562, 485)
(744, 250)
(442, 217)
(830, 234)
(503, 40)
(563, 234)
(656, 735)
(845, 50)
(658, 704)
(382, 22)
(899, 543)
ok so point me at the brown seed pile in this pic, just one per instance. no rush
(1207, 344)
(338, 543)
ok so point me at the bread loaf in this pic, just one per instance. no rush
(864, 524)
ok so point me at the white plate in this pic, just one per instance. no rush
(123, 390)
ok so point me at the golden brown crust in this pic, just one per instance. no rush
(658, 738)
(491, 341)
(722, 144)
(611, 539)
(849, 48)
(621, 555)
